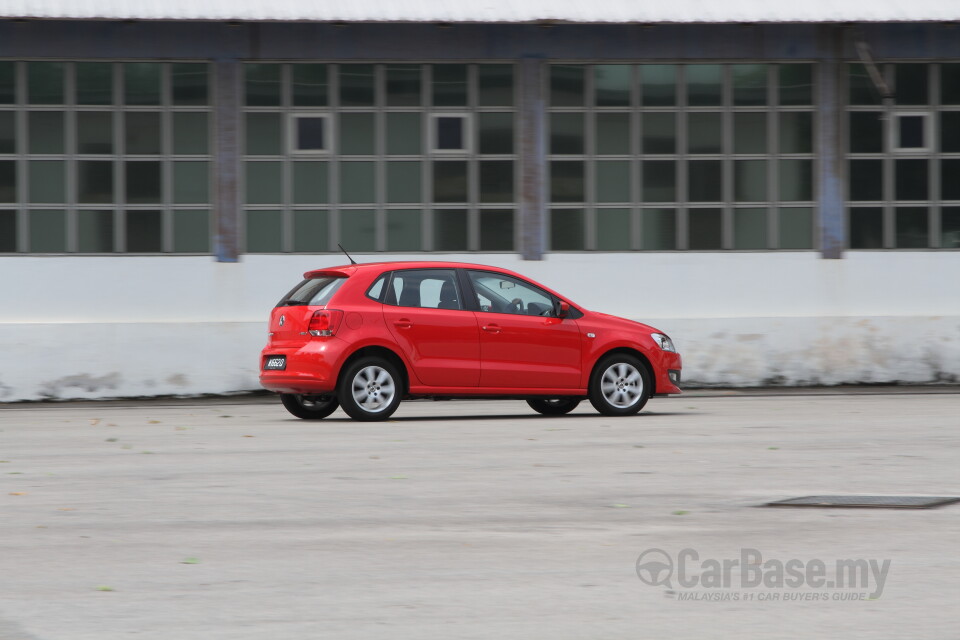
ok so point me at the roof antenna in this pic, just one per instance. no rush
(352, 261)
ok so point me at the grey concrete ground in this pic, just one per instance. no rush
(232, 520)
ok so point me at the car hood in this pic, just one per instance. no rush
(623, 323)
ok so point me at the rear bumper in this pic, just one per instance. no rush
(311, 367)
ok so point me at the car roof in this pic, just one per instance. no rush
(350, 269)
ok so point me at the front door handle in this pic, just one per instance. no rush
(402, 323)
(492, 328)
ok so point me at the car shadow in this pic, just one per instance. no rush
(517, 416)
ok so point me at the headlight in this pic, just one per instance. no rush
(663, 341)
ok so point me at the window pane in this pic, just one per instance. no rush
(496, 181)
(612, 82)
(950, 131)
(189, 83)
(566, 133)
(910, 83)
(95, 231)
(449, 133)
(94, 83)
(704, 133)
(141, 83)
(356, 85)
(142, 132)
(94, 181)
(911, 179)
(495, 132)
(311, 133)
(796, 228)
(143, 182)
(8, 82)
(263, 182)
(566, 181)
(950, 227)
(613, 181)
(449, 85)
(750, 181)
(950, 179)
(659, 133)
(8, 137)
(264, 231)
(190, 133)
(796, 132)
(496, 230)
(703, 181)
(495, 84)
(704, 85)
(45, 82)
(862, 90)
(48, 231)
(911, 132)
(47, 178)
(358, 230)
(613, 133)
(566, 85)
(262, 84)
(866, 180)
(705, 229)
(613, 229)
(450, 181)
(403, 182)
(796, 180)
(263, 134)
(566, 230)
(749, 228)
(749, 84)
(190, 182)
(403, 230)
(309, 85)
(949, 83)
(450, 230)
(8, 181)
(46, 131)
(912, 228)
(144, 231)
(866, 132)
(95, 132)
(357, 134)
(750, 133)
(311, 231)
(310, 182)
(659, 82)
(796, 84)
(658, 230)
(8, 231)
(403, 133)
(403, 85)
(191, 231)
(659, 181)
(866, 228)
(357, 182)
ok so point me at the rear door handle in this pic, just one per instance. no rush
(402, 323)
(492, 328)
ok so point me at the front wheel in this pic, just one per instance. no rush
(553, 406)
(370, 389)
(620, 385)
(309, 407)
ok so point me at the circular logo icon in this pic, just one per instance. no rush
(655, 567)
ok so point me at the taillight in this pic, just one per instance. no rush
(325, 322)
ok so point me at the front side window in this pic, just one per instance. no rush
(425, 288)
(498, 293)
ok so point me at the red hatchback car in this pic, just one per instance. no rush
(366, 336)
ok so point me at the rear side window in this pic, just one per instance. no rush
(424, 288)
(312, 292)
(376, 289)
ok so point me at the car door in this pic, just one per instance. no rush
(424, 310)
(522, 342)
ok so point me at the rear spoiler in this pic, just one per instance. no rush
(336, 272)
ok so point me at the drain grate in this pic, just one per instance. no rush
(874, 502)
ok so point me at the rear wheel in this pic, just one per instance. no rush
(370, 389)
(553, 406)
(620, 385)
(309, 407)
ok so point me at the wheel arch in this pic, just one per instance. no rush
(383, 352)
(633, 352)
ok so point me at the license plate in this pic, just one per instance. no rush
(276, 363)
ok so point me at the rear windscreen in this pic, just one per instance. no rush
(312, 292)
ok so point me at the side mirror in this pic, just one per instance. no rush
(562, 309)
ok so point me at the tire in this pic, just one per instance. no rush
(620, 385)
(370, 389)
(309, 407)
(553, 406)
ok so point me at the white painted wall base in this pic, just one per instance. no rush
(99, 327)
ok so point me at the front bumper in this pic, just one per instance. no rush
(669, 374)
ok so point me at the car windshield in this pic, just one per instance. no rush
(312, 292)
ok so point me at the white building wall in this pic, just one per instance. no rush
(97, 327)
